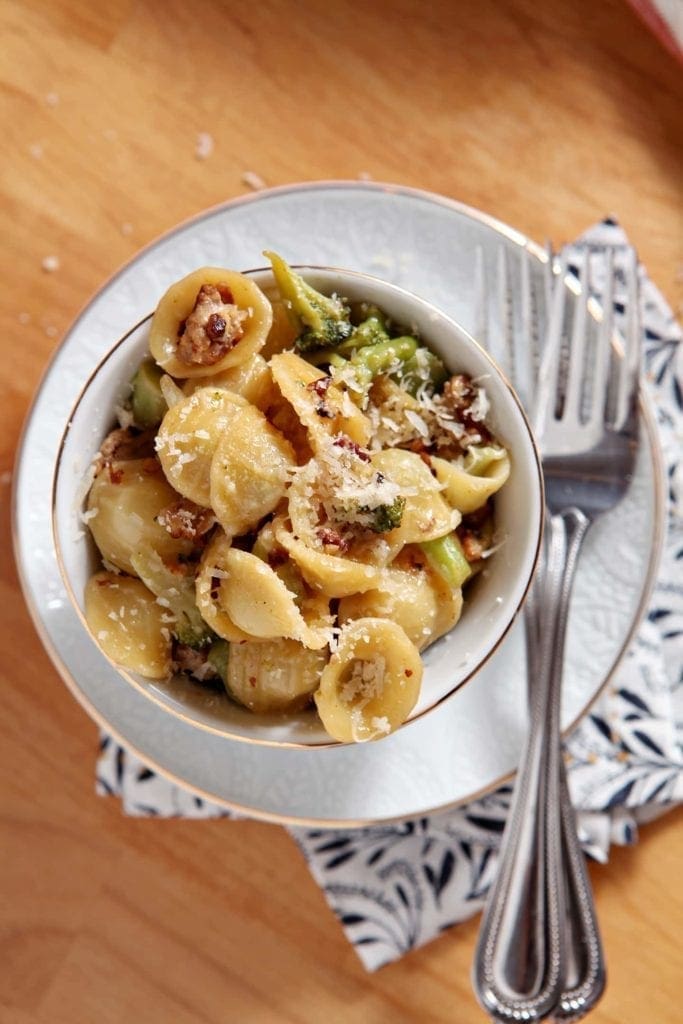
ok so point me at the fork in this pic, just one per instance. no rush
(539, 950)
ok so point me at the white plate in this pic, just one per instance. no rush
(471, 742)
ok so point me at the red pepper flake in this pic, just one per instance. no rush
(115, 475)
(350, 446)
(332, 538)
(319, 386)
(408, 672)
(252, 680)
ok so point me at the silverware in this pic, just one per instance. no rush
(539, 950)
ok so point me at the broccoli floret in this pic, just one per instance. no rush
(422, 371)
(386, 517)
(217, 657)
(191, 630)
(324, 319)
(371, 331)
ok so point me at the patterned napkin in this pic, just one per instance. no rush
(395, 887)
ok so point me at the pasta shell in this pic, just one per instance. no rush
(333, 575)
(324, 415)
(188, 438)
(274, 675)
(371, 682)
(469, 485)
(176, 306)
(251, 380)
(259, 603)
(250, 471)
(283, 332)
(426, 515)
(125, 500)
(417, 600)
(212, 572)
(128, 624)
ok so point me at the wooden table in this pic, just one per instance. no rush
(547, 116)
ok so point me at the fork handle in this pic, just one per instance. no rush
(584, 976)
(526, 954)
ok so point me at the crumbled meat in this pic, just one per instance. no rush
(126, 443)
(458, 392)
(213, 327)
(187, 659)
(462, 399)
(472, 545)
(184, 519)
(473, 533)
(332, 538)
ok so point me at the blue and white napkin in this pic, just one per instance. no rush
(395, 887)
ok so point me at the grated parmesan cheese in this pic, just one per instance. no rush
(366, 681)
(203, 146)
(253, 180)
(381, 724)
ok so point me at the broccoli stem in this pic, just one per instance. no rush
(446, 556)
(147, 403)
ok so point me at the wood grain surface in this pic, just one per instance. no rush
(547, 115)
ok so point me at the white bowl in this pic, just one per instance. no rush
(493, 599)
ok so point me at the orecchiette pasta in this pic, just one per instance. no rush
(324, 408)
(259, 603)
(371, 682)
(251, 380)
(294, 512)
(212, 572)
(128, 624)
(426, 514)
(333, 575)
(124, 501)
(468, 484)
(418, 601)
(211, 320)
(250, 471)
(274, 675)
(188, 438)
